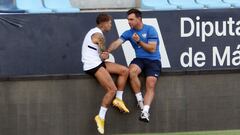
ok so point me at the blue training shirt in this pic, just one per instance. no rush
(146, 34)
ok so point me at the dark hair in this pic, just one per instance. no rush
(103, 17)
(135, 11)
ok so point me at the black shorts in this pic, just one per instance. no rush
(94, 70)
(148, 67)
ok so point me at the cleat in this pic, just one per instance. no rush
(100, 124)
(144, 117)
(120, 105)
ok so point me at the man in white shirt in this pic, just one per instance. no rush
(93, 58)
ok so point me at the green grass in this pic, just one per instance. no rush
(220, 132)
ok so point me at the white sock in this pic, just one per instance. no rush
(139, 96)
(119, 94)
(102, 112)
(146, 108)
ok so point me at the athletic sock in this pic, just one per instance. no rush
(119, 94)
(139, 96)
(102, 112)
(146, 108)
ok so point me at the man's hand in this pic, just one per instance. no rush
(136, 37)
(104, 55)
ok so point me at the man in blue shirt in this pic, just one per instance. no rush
(145, 42)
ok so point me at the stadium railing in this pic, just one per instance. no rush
(187, 4)
(8, 6)
(32, 6)
(157, 5)
(60, 6)
(234, 3)
(212, 4)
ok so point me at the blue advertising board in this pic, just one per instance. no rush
(50, 44)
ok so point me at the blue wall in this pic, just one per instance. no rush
(50, 44)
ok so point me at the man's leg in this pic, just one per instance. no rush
(134, 79)
(107, 83)
(134, 71)
(122, 73)
(152, 71)
(150, 90)
(105, 80)
(149, 95)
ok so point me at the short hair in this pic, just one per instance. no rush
(135, 11)
(103, 17)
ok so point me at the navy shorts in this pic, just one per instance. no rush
(148, 67)
(94, 70)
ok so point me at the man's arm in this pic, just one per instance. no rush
(150, 47)
(114, 45)
(98, 38)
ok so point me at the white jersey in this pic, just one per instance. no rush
(90, 51)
